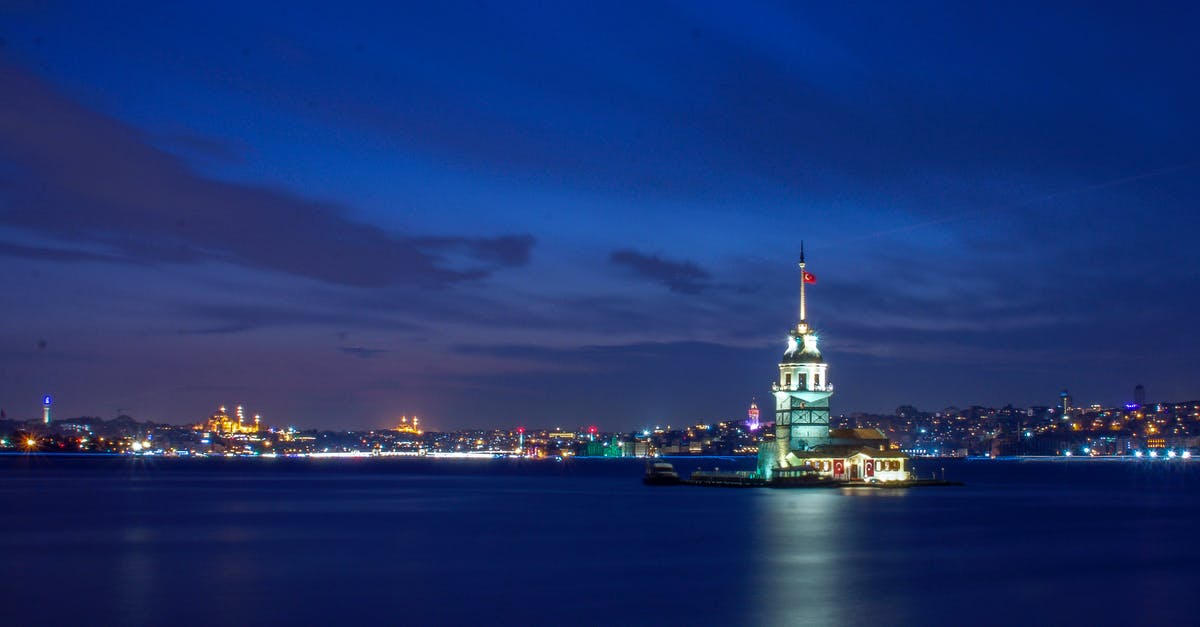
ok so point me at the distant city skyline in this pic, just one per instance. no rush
(750, 417)
(490, 214)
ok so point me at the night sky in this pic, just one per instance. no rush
(497, 213)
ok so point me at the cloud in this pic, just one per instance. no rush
(861, 108)
(684, 277)
(361, 352)
(508, 250)
(658, 381)
(241, 317)
(81, 177)
(45, 253)
(195, 145)
(219, 330)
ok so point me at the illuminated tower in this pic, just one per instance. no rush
(752, 423)
(802, 391)
(46, 409)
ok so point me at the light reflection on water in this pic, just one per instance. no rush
(798, 540)
(1021, 543)
(136, 573)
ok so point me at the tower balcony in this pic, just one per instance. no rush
(828, 387)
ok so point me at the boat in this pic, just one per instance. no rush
(660, 473)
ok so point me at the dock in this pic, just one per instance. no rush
(718, 479)
(749, 479)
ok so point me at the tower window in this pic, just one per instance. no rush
(787, 380)
(816, 380)
(803, 380)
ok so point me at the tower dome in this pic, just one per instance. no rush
(802, 349)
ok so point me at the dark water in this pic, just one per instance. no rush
(118, 541)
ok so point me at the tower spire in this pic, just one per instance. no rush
(803, 312)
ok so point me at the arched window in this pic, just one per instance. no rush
(787, 380)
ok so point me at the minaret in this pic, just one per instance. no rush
(802, 391)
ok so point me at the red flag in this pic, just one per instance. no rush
(809, 277)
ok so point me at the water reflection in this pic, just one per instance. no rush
(828, 557)
(798, 548)
(135, 576)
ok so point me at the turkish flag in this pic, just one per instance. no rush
(870, 467)
(809, 277)
(839, 467)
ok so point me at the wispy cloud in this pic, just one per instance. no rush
(50, 253)
(684, 277)
(362, 352)
(79, 176)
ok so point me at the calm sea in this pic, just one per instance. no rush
(120, 541)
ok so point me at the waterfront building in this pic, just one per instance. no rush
(635, 448)
(804, 446)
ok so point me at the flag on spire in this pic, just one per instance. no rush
(809, 277)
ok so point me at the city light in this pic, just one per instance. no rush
(1160, 431)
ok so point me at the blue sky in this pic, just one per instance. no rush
(565, 213)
